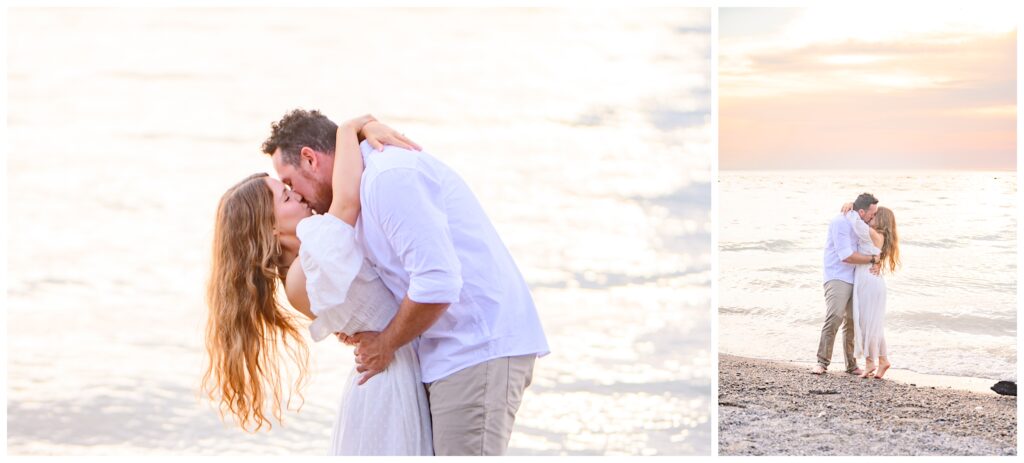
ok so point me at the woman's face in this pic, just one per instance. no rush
(289, 207)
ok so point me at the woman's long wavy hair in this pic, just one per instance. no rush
(247, 328)
(885, 223)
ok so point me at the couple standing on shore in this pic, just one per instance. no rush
(386, 247)
(862, 244)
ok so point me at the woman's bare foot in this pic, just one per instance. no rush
(883, 365)
(869, 370)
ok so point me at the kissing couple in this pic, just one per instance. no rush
(862, 246)
(385, 246)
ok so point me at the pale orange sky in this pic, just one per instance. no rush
(834, 88)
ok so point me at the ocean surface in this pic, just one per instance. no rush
(584, 133)
(951, 308)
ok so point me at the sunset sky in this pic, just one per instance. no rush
(867, 88)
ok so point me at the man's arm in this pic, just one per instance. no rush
(858, 258)
(841, 238)
(375, 351)
(410, 209)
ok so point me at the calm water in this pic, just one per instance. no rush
(584, 133)
(952, 307)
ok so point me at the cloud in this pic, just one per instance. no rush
(936, 99)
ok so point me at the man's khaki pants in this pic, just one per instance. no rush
(839, 303)
(472, 410)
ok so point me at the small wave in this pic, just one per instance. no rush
(768, 313)
(730, 310)
(793, 269)
(968, 323)
(999, 237)
(604, 280)
(768, 283)
(936, 244)
(769, 245)
(700, 30)
(43, 285)
(595, 117)
(922, 286)
(667, 119)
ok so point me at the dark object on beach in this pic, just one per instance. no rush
(731, 404)
(1005, 388)
(826, 392)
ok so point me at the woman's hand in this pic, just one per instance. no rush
(847, 207)
(379, 135)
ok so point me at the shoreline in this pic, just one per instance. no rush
(779, 408)
(904, 376)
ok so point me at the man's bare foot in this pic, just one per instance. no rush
(883, 365)
(818, 370)
(856, 371)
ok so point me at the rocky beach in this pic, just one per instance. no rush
(776, 408)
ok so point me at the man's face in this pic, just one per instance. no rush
(307, 179)
(868, 214)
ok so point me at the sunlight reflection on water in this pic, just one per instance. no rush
(580, 132)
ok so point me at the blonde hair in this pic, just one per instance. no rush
(885, 223)
(247, 327)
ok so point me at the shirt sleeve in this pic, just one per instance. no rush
(411, 211)
(841, 238)
(330, 258)
(859, 227)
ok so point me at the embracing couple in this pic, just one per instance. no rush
(862, 245)
(386, 247)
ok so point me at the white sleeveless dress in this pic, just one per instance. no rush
(868, 298)
(389, 415)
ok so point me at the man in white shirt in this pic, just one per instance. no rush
(841, 257)
(462, 296)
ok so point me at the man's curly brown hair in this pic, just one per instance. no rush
(301, 128)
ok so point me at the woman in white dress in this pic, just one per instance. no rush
(878, 238)
(262, 231)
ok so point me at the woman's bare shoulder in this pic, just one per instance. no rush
(295, 288)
